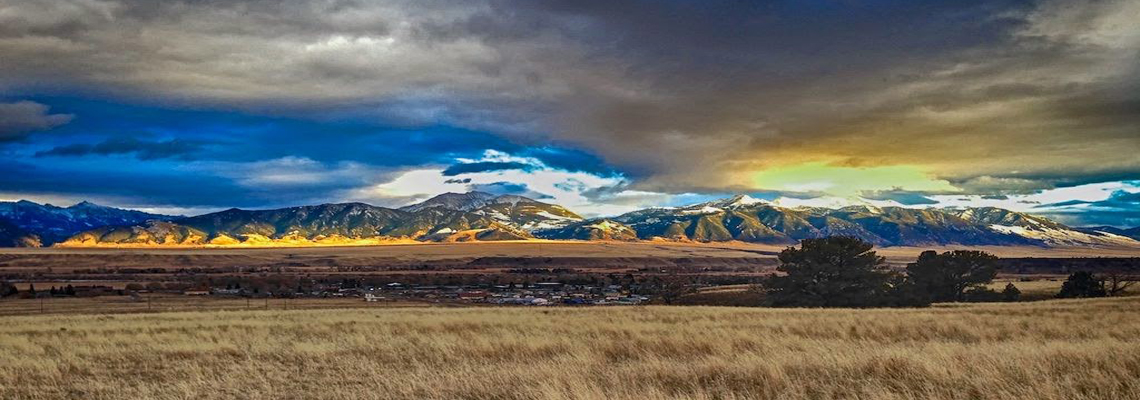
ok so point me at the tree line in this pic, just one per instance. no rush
(843, 271)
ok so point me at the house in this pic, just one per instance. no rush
(474, 295)
(94, 290)
(369, 297)
(196, 292)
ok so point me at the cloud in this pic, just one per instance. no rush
(572, 189)
(1105, 203)
(1120, 209)
(848, 181)
(987, 97)
(508, 188)
(144, 150)
(21, 118)
(902, 197)
(484, 166)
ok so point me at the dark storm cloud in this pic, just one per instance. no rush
(997, 97)
(18, 119)
(1122, 209)
(275, 183)
(501, 188)
(569, 159)
(157, 187)
(485, 166)
(144, 150)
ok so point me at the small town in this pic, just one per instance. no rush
(527, 294)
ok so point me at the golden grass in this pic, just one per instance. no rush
(1081, 349)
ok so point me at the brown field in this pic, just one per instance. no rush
(152, 303)
(612, 255)
(1076, 349)
(468, 256)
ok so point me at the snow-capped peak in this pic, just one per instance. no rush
(740, 200)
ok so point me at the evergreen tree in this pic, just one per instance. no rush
(1082, 284)
(1011, 293)
(830, 272)
(950, 275)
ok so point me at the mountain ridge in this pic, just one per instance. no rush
(49, 224)
(479, 216)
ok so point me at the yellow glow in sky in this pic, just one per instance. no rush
(847, 181)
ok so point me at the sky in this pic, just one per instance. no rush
(603, 106)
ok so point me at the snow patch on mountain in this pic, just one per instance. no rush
(609, 226)
(546, 214)
(701, 211)
(1066, 237)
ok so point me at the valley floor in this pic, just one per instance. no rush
(1059, 349)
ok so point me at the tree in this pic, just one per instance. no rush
(1116, 283)
(1011, 293)
(835, 271)
(950, 275)
(669, 288)
(1080, 285)
(904, 293)
(8, 289)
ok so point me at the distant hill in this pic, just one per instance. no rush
(478, 216)
(1133, 233)
(51, 224)
(12, 236)
(747, 220)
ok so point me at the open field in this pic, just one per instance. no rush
(468, 256)
(1081, 349)
(461, 267)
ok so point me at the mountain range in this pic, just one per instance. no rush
(446, 218)
(30, 224)
(478, 216)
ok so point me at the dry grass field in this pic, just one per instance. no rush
(1083, 349)
(585, 254)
